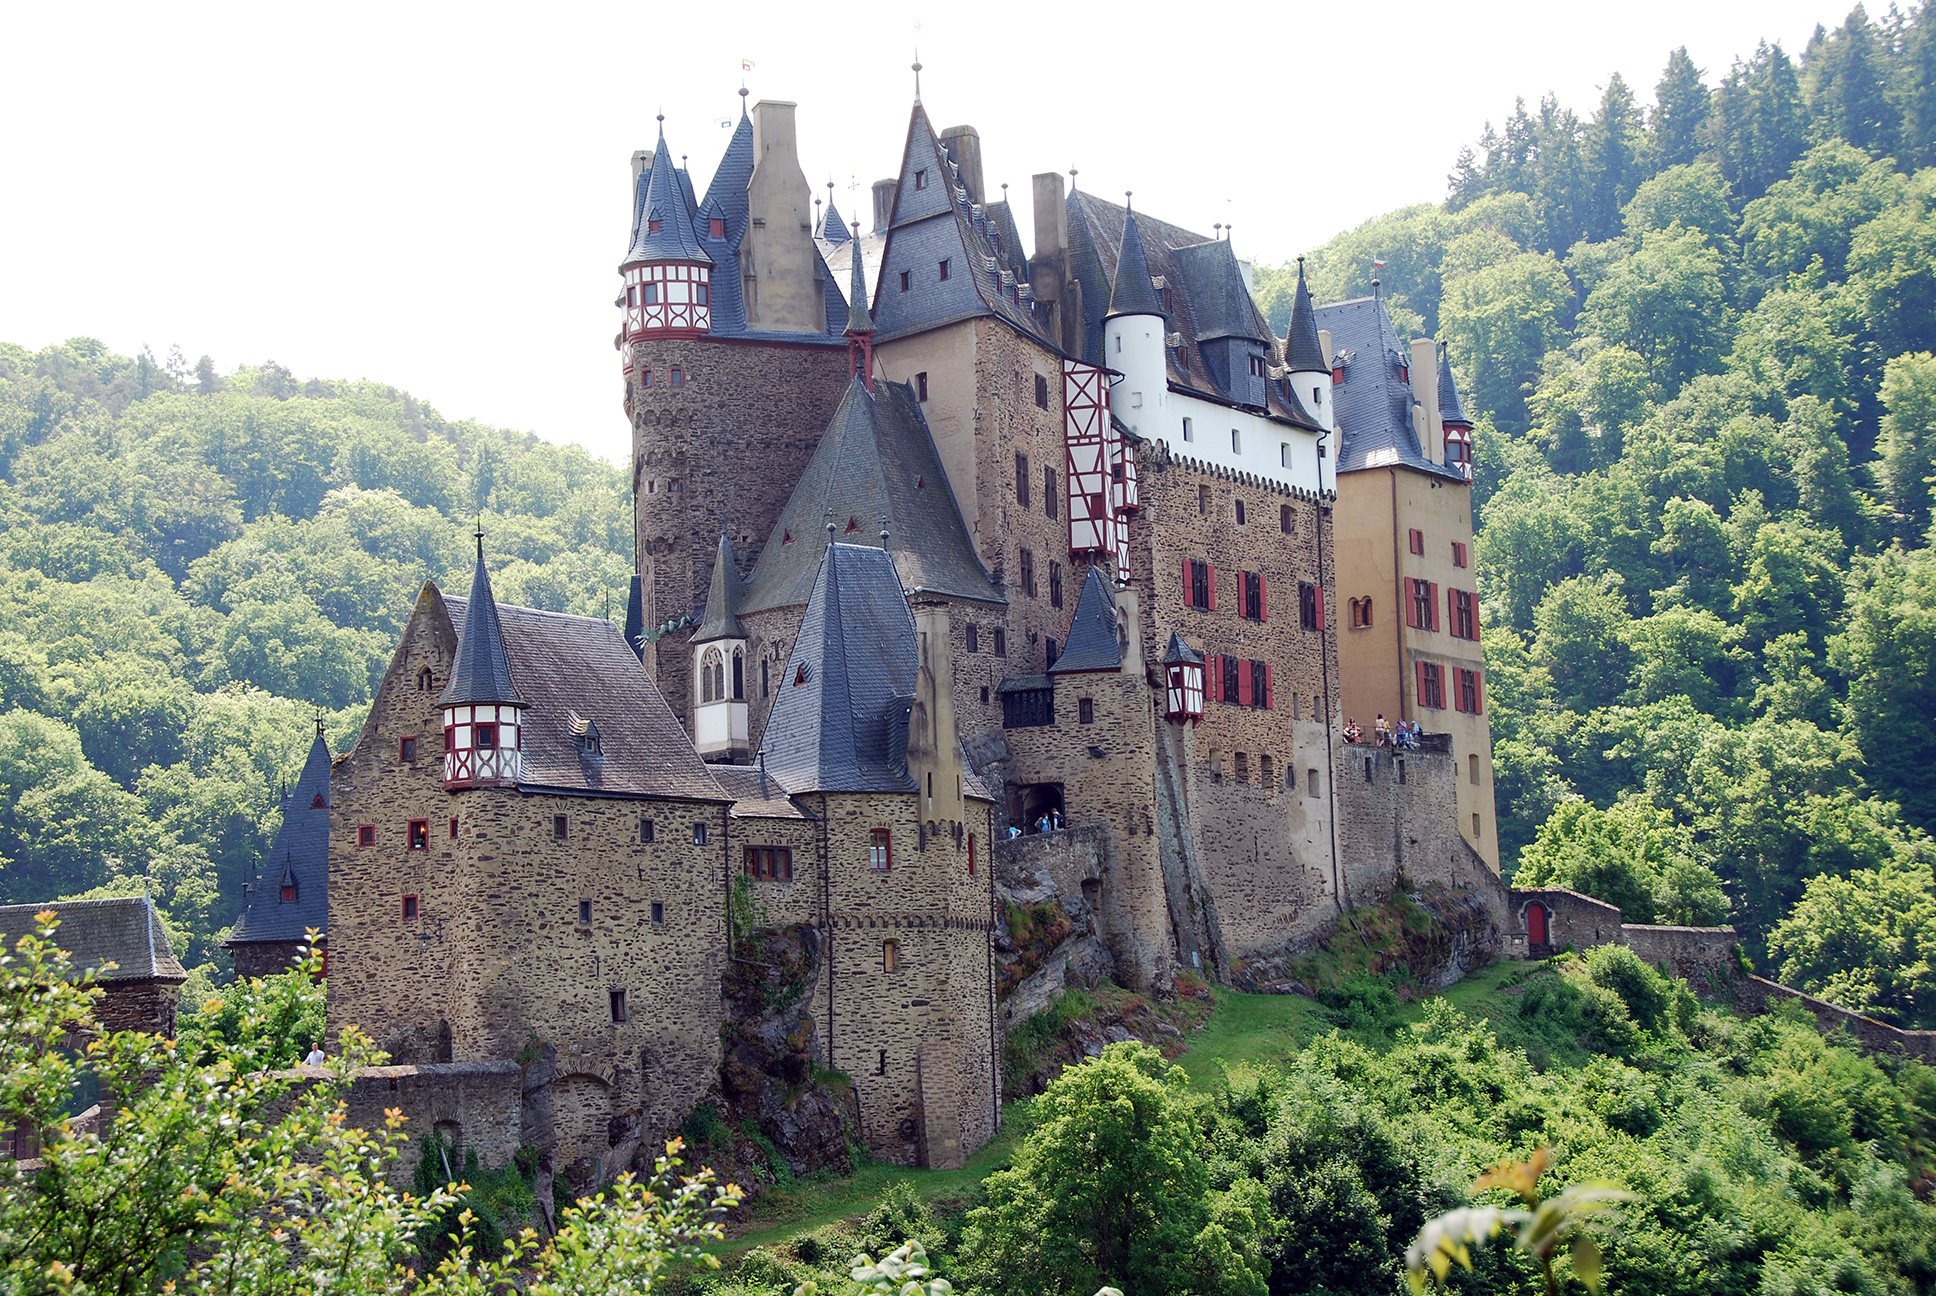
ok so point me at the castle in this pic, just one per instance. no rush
(956, 562)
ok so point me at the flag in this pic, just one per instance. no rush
(746, 65)
(1378, 263)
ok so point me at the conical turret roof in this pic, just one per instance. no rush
(1181, 653)
(1095, 642)
(859, 318)
(834, 229)
(1133, 293)
(1303, 353)
(635, 619)
(667, 203)
(722, 620)
(299, 858)
(482, 672)
(1450, 410)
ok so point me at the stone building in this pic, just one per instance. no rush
(289, 896)
(124, 944)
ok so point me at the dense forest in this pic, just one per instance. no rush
(196, 568)
(1700, 333)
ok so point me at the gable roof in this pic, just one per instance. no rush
(1373, 405)
(757, 794)
(720, 620)
(1095, 642)
(839, 723)
(935, 219)
(875, 468)
(572, 665)
(665, 199)
(481, 672)
(125, 931)
(298, 857)
(832, 228)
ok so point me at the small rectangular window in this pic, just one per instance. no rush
(619, 1013)
(1418, 541)
(1472, 768)
(409, 908)
(1203, 500)
(453, 827)
(973, 636)
(1022, 480)
(1475, 823)
(1041, 392)
(1189, 430)
(1240, 511)
(907, 280)
(366, 834)
(1310, 782)
(418, 837)
(584, 911)
(646, 830)
(921, 385)
(944, 269)
(1085, 711)
(921, 179)
(559, 826)
(1048, 492)
(645, 378)
(289, 893)
(699, 834)
(890, 955)
(880, 852)
(1458, 554)
(1284, 454)
(1284, 519)
(1001, 642)
(1236, 441)
(678, 376)
(658, 911)
(716, 228)
(1055, 584)
(1027, 564)
(407, 750)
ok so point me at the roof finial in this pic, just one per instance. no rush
(917, 74)
(1127, 204)
(480, 537)
(319, 722)
(1374, 288)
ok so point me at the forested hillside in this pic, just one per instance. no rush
(1701, 333)
(194, 567)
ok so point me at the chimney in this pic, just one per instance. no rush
(964, 146)
(1425, 392)
(785, 294)
(1049, 265)
(934, 741)
(1324, 345)
(641, 163)
(884, 203)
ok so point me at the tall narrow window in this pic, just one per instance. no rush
(1041, 392)
(699, 834)
(1418, 541)
(453, 827)
(944, 269)
(1431, 685)
(419, 835)
(973, 636)
(620, 1015)
(1464, 624)
(880, 852)
(1189, 430)
(921, 179)
(890, 955)
(658, 911)
(1310, 606)
(1196, 588)
(1236, 442)
(971, 854)
(907, 280)
(1085, 711)
(1458, 554)
(559, 826)
(584, 911)
(1284, 454)
(409, 908)
(647, 833)
(1240, 512)
(1048, 492)
(1284, 519)
(1055, 584)
(921, 385)
(1203, 500)
(1028, 572)
(1022, 480)
(1001, 642)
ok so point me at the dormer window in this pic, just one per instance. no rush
(921, 179)
(652, 227)
(1257, 366)
(289, 893)
(716, 228)
(944, 269)
(800, 674)
(907, 280)
(486, 735)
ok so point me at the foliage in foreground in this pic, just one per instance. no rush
(211, 1176)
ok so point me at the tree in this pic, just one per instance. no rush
(1632, 855)
(1849, 83)
(1500, 322)
(207, 381)
(1814, 213)
(1866, 941)
(1613, 163)
(1679, 116)
(1667, 302)
(1581, 640)
(1907, 447)
(1888, 654)
(1756, 126)
(1892, 269)
(1110, 1186)
(1694, 196)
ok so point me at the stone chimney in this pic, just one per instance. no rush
(641, 163)
(934, 741)
(1048, 268)
(964, 146)
(1425, 397)
(884, 203)
(1324, 345)
(778, 264)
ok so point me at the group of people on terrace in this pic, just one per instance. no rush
(1403, 734)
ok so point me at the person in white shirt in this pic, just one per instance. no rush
(315, 1057)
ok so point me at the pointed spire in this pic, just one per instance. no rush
(666, 229)
(722, 620)
(859, 318)
(482, 671)
(1133, 293)
(1180, 653)
(1095, 639)
(1451, 411)
(832, 227)
(1303, 353)
(635, 618)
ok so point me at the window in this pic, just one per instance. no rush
(1310, 606)
(1203, 500)
(1240, 766)
(1284, 519)
(921, 179)
(1051, 652)
(1431, 685)
(702, 294)
(739, 678)
(645, 378)
(484, 735)
(880, 850)
(1048, 492)
(801, 674)
(1055, 584)
(1236, 442)
(409, 908)
(619, 1013)
(1085, 711)
(973, 636)
(1257, 366)
(366, 834)
(1199, 585)
(921, 385)
(890, 955)
(584, 911)
(652, 226)
(1251, 584)
(1467, 701)
(774, 862)
(1001, 642)
(418, 836)
(1260, 688)
(1028, 572)
(716, 228)
(1265, 772)
(1360, 613)
(712, 676)
(1240, 512)
(289, 893)
(651, 294)
(1472, 768)
(1284, 454)
(453, 827)
(699, 834)
(559, 826)
(1233, 680)
(984, 695)
(971, 854)
(1041, 392)
(1458, 554)
(1422, 612)
(658, 911)
(1189, 430)
(1475, 823)
(1028, 708)
(880, 1068)
(1310, 782)
(678, 376)
(907, 280)
(647, 831)
(1418, 541)
(425, 680)
(1021, 480)
(944, 269)
(1463, 622)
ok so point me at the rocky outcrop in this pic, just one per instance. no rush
(1434, 941)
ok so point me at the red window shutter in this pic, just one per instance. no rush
(1263, 601)
(1418, 669)
(1318, 591)
(1213, 587)
(1186, 583)
(1432, 602)
(1451, 612)
(1270, 697)
(1245, 689)
(1411, 602)
(1479, 692)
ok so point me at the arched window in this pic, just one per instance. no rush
(739, 676)
(425, 680)
(711, 674)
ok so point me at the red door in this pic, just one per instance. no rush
(1536, 924)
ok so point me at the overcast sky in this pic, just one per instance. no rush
(437, 196)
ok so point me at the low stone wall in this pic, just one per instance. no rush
(1571, 919)
(1691, 953)
(471, 1106)
(1752, 994)
(1068, 857)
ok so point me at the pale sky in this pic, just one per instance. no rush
(437, 196)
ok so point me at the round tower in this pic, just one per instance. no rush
(483, 710)
(667, 274)
(1305, 366)
(1134, 336)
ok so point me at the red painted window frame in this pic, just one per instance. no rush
(1417, 538)
(410, 908)
(416, 836)
(365, 836)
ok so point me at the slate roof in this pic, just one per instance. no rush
(572, 664)
(1132, 293)
(665, 197)
(720, 619)
(1451, 410)
(481, 673)
(1095, 642)
(858, 318)
(1303, 351)
(1178, 651)
(125, 931)
(1208, 300)
(839, 723)
(1373, 404)
(635, 618)
(832, 228)
(875, 461)
(757, 794)
(988, 271)
(299, 856)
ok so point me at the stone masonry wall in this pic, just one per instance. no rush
(1397, 818)
(470, 1106)
(1571, 919)
(139, 1005)
(1692, 953)
(1754, 993)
